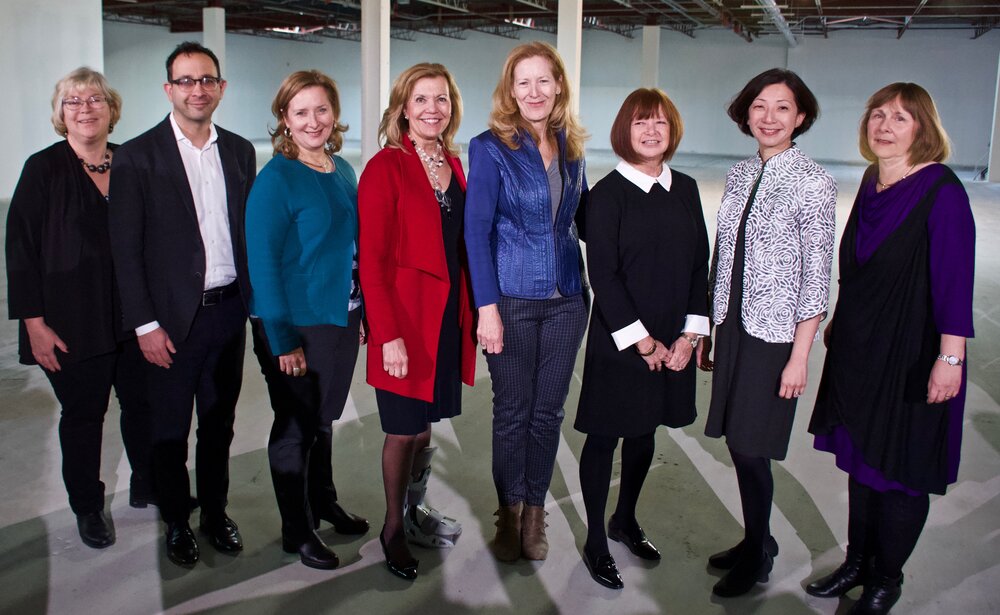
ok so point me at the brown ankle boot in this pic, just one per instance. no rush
(506, 545)
(534, 544)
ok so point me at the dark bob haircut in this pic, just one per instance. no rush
(643, 104)
(188, 48)
(739, 108)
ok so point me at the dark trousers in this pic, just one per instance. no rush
(83, 389)
(300, 445)
(207, 372)
(531, 379)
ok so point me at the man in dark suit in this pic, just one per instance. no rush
(177, 200)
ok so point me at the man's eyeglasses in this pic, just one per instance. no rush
(76, 103)
(186, 84)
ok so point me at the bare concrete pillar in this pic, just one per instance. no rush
(568, 42)
(374, 72)
(650, 56)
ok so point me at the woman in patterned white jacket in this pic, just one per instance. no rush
(769, 282)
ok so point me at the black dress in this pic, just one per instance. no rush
(745, 404)
(407, 415)
(647, 256)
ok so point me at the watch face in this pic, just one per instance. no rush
(952, 360)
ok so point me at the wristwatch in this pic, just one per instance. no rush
(692, 339)
(950, 359)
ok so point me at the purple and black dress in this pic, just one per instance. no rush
(906, 276)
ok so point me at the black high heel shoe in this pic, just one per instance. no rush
(849, 575)
(725, 560)
(743, 577)
(403, 570)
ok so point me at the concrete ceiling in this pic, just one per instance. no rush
(313, 20)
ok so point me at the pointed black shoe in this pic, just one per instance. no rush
(313, 552)
(881, 592)
(182, 548)
(603, 570)
(849, 575)
(743, 577)
(725, 560)
(343, 522)
(222, 532)
(95, 531)
(404, 570)
(635, 539)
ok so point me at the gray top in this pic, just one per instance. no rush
(555, 195)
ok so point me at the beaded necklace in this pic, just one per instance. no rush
(433, 163)
(98, 168)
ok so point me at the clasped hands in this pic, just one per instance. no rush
(674, 357)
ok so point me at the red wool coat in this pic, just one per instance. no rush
(404, 274)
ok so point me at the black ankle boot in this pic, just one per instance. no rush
(849, 575)
(881, 592)
(724, 560)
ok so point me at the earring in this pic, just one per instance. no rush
(111, 128)
(288, 133)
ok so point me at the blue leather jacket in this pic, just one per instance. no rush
(515, 248)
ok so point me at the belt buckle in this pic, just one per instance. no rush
(211, 297)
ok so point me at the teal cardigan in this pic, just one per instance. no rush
(301, 229)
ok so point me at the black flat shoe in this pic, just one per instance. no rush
(724, 560)
(743, 577)
(314, 553)
(880, 594)
(343, 522)
(849, 575)
(95, 531)
(182, 548)
(222, 532)
(404, 570)
(603, 570)
(635, 539)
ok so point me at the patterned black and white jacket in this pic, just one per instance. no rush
(789, 243)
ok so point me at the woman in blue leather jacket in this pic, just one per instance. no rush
(526, 180)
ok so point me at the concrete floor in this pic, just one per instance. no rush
(690, 505)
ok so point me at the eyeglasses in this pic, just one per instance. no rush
(76, 103)
(186, 84)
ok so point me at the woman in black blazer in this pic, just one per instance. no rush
(61, 287)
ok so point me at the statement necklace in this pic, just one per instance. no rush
(104, 167)
(324, 167)
(433, 163)
(891, 184)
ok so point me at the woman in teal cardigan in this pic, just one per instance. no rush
(301, 228)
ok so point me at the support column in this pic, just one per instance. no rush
(568, 42)
(41, 43)
(374, 72)
(650, 56)
(213, 36)
(994, 169)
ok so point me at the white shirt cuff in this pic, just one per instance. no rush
(626, 336)
(698, 325)
(146, 328)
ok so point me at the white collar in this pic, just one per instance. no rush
(213, 135)
(643, 181)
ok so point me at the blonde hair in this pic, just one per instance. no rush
(84, 77)
(505, 118)
(289, 88)
(930, 143)
(394, 123)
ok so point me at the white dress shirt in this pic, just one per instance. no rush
(693, 323)
(203, 168)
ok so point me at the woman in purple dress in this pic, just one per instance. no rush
(893, 387)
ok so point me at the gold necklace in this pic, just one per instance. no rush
(324, 167)
(891, 184)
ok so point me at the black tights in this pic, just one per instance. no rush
(756, 492)
(595, 480)
(885, 526)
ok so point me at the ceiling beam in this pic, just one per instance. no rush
(772, 10)
(906, 24)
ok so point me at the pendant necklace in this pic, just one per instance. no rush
(433, 163)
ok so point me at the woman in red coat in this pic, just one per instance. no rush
(414, 276)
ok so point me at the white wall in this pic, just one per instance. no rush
(39, 43)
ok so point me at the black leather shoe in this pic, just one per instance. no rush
(313, 552)
(143, 498)
(95, 531)
(603, 570)
(724, 560)
(880, 594)
(403, 569)
(182, 548)
(743, 576)
(222, 532)
(849, 575)
(635, 539)
(343, 521)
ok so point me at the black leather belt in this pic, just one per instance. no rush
(215, 296)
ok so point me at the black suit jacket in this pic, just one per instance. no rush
(156, 242)
(59, 256)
